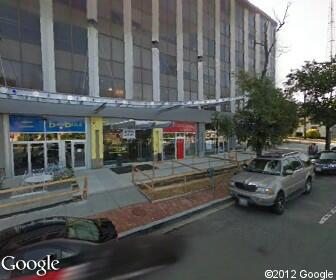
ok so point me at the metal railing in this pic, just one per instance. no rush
(43, 193)
(182, 177)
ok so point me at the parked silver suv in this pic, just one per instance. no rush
(272, 179)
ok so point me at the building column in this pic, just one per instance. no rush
(47, 45)
(7, 146)
(257, 45)
(233, 54)
(155, 51)
(246, 44)
(200, 48)
(97, 146)
(93, 55)
(200, 139)
(157, 139)
(246, 40)
(217, 50)
(128, 38)
(179, 48)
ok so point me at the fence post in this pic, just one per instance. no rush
(85, 189)
(185, 184)
(153, 169)
(133, 170)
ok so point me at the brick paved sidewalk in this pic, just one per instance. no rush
(140, 214)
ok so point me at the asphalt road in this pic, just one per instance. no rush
(242, 243)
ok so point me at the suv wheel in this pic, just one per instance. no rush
(308, 186)
(279, 204)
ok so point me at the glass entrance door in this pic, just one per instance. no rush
(78, 154)
(74, 154)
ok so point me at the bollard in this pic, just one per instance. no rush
(211, 175)
(85, 189)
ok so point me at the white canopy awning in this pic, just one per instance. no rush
(23, 101)
(139, 125)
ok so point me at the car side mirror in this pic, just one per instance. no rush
(288, 172)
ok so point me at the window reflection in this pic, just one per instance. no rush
(20, 44)
(111, 49)
(14, 137)
(70, 39)
(189, 10)
(209, 49)
(168, 63)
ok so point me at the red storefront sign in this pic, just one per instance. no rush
(181, 127)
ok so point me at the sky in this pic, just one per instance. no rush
(305, 34)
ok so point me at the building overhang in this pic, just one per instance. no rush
(22, 101)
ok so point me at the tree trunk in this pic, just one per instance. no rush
(259, 149)
(327, 139)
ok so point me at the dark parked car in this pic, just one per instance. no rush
(325, 163)
(83, 249)
(93, 230)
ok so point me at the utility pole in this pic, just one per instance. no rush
(331, 30)
(331, 45)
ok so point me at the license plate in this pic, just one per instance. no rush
(243, 202)
(318, 169)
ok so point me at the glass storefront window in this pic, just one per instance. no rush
(190, 144)
(39, 143)
(72, 136)
(52, 153)
(116, 148)
(37, 156)
(14, 137)
(210, 142)
(20, 155)
(168, 146)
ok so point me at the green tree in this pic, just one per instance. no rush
(267, 117)
(224, 124)
(317, 80)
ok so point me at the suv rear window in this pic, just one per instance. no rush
(266, 166)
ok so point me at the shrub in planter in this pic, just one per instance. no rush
(313, 134)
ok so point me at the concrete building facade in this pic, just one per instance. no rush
(99, 82)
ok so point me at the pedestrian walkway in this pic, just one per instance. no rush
(107, 191)
(137, 215)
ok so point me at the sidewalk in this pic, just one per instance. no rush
(307, 141)
(117, 197)
(137, 215)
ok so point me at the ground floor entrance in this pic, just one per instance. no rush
(35, 155)
(40, 143)
(179, 141)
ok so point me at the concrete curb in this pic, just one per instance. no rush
(302, 141)
(174, 218)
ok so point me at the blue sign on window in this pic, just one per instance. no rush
(26, 124)
(31, 124)
(64, 124)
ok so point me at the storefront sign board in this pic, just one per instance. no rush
(128, 133)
